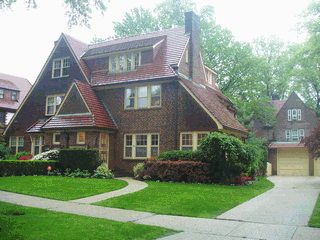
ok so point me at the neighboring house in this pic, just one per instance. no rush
(294, 121)
(12, 92)
(131, 98)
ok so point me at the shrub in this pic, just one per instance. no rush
(28, 157)
(29, 167)
(79, 158)
(21, 154)
(137, 169)
(103, 172)
(228, 156)
(179, 171)
(49, 155)
(4, 151)
(176, 155)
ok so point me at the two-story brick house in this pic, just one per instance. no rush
(294, 120)
(131, 98)
(12, 92)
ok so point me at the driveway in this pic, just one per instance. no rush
(289, 203)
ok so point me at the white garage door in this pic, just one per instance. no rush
(317, 167)
(293, 162)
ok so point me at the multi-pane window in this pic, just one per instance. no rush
(294, 115)
(13, 95)
(52, 104)
(56, 138)
(294, 134)
(17, 144)
(124, 62)
(143, 97)
(38, 144)
(191, 140)
(141, 145)
(81, 137)
(1, 93)
(61, 67)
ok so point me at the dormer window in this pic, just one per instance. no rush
(61, 67)
(124, 62)
(14, 96)
(294, 115)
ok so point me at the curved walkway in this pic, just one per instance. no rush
(286, 192)
(133, 186)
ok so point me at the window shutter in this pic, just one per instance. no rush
(289, 115)
(299, 114)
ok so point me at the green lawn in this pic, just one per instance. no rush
(59, 188)
(42, 224)
(194, 200)
(315, 217)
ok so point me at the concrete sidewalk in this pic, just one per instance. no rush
(194, 228)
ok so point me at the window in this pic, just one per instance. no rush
(81, 137)
(191, 140)
(61, 67)
(124, 62)
(210, 77)
(56, 138)
(187, 55)
(1, 93)
(141, 145)
(38, 145)
(294, 135)
(301, 133)
(2, 114)
(14, 96)
(143, 97)
(52, 104)
(287, 135)
(17, 144)
(294, 114)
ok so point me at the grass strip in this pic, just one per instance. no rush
(194, 200)
(315, 217)
(19, 222)
(59, 188)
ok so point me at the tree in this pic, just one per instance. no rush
(136, 22)
(313, 142)
(79, 12)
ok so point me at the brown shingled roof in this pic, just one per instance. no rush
(209, 98)
(144, 42)
(278, 104)
(36, 128)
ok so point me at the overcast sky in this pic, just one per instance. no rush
(27, 37)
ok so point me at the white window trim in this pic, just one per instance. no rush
(134, 145)
(78, 138)
(34, 144)
(61, 69)
(288, 134)
(17, 142)
(299, 114)
(194, 139)
(15, 95)
(125, 54)
(55, 103)
(289, 115)
(299, 133)
(136, 97)
(54, 138)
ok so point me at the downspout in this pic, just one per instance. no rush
(176, 116)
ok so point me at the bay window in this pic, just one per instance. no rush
(141, 145)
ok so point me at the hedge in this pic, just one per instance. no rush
(84, 159)
(176, 155)
(28, 167)
(179, 171)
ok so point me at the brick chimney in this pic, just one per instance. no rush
(192, 27)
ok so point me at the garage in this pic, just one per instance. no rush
(293, 162)
(291, 159)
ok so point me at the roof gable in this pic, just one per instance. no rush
(73, 103)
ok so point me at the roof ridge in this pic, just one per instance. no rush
(75, 39)
(142, 34)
